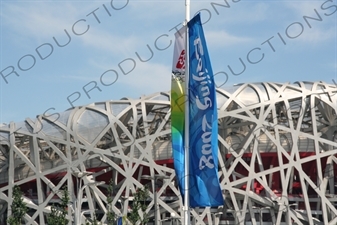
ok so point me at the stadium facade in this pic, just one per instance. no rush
(277, 148)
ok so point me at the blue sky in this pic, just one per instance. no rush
(275, 40)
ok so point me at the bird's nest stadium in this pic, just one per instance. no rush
(277, 157)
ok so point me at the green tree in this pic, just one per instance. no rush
(139, 205)
(111, 216)
(59, 212)
(18, 207)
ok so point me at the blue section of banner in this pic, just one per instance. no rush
(178, 100)
(120, 221)
(204, 187)
(178, 130)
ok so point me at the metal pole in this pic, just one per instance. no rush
(79, 200)
(78, 205)
(79, 175)
(155, 201)
(79, 186)
(187, 8)
(186, 180)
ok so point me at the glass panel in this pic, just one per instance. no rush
(4, 138)
(248, 96)
(263, 95)
(51, 129)
(60, 117)
(161, 97)
(308, 85)
(290, 90)
(117, 108)
(3, 125)
(100, 105)
(91, 124)
(232, 89)
(23, 127)
(221, 99)
(64, 117)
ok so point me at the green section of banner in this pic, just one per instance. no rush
(177, 127)
(178, 98)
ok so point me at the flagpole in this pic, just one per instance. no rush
(187, 4)
(186, 196)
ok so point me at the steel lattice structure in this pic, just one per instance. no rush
(277, 142)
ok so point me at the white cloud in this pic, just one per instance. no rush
(254, 12)
(317, 35)
(39, 19)
(241, 12)
(222, 38)
(309, 31)
(115, 44)
(303, 8)
(157, 9)
(78, 77)
(149, 77)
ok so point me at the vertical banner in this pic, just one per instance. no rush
(204, 187)
(120, 221)
(178, 107)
